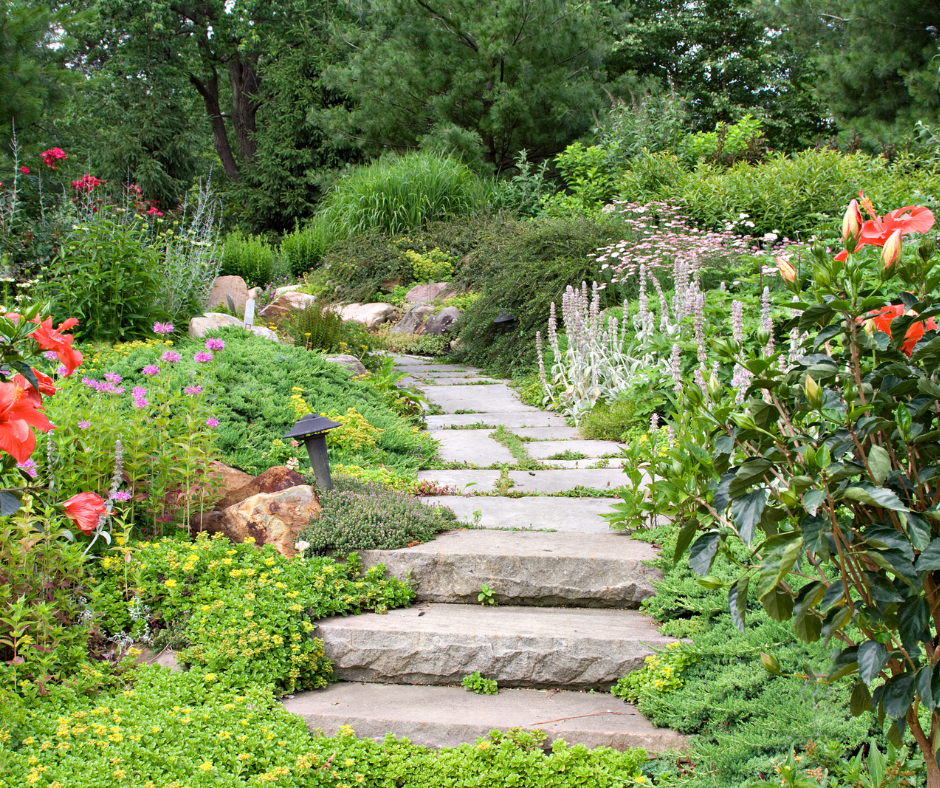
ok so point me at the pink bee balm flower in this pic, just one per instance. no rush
(84, 425)
(171, 356)
(62, 370)
(163, 328)
(120, 495)
(49, 354)
(139, 392)
(113, 377)
(140, 403)
(192, 391)
(212, 422)
(151, 369)
(215, 344)
(203, 358)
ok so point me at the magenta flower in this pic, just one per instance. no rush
(113, 377)
(163, 328)
(140, 403)
(192, 391)
(203, 358)
(84, 425)
(29, 466)
(151, 369)
(139, 392)
(90, 382)
(50, 354)
(215, 344)
(171, 356)
(61, 370)
(120, 495)
(212, 422)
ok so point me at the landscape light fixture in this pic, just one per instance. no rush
(312, 429)
(504, 321)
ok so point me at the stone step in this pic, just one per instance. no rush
(450, 716)
(493, 418)
(483, 397)
(543, 569)
(473, 446)
(571, 648)
(578, 515)
(542, 450)
(532, 482)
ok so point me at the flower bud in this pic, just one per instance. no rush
(813, 394)
(851, 222)
(787, 271)
(891, 250)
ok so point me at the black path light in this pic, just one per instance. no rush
(504, 321)
(312, 429)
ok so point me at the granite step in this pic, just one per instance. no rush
(562, 648)
(449, 716)
(526, 568)
(576, 515)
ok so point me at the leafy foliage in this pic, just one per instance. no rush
(481, 686)
(370, 517)
(250, 257)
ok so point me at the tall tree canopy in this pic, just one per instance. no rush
(484, 79)
(877, 60)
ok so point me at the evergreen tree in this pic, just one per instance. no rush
(484, 80)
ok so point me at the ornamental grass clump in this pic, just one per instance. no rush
(369, 517)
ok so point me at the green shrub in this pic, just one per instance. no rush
(199, 735)
(432, 266)
(411, 344)
(256, 381)
(366, 516)
(399, 194)
(792, 195)
(618, 419)
(303, 249)
(107, 276)
(248, 256)
(523, 268)
(481, 686)
(317, 327)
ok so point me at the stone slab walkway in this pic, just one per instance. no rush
(566, 616)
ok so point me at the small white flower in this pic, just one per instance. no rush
(301, 546)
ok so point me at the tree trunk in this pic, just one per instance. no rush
(244, 81)
(933, 771)
(209, 90)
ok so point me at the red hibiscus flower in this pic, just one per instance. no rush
(881, 319)
(46, 386)
(910, 219)
(85, 510)
(20, 409)
(49, 338)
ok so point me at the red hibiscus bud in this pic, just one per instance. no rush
(891, 250)
(787, 271)
(85, 510)
(851, 222)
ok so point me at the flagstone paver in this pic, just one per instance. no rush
(544, 449)
(578, 515)
(473, 446)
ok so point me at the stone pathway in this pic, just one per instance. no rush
(566, 625)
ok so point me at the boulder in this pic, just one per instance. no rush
(199, 325)
(413, 320)
(233, 286)
(228, 479)
(351, 363)
(272, 480)
(390, 284)
(281, 307)
(420, 293)
(441, 322)
(286, 289)
(254, 292)
(370, 315)
(271, 518)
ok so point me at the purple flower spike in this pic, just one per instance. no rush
(203, 358)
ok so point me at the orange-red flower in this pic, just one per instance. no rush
(787, 271)
(20, 409)
(46, 386)
(85, 510)
(910, 219)
(881, 319)
(49, 338)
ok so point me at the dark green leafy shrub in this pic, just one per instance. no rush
(317, 327)
(522, 269)
(303, 249)
(618, 419)
(107, 276)
(248, 256)
(366, 516)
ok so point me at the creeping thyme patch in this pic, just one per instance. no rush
(247, 613)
